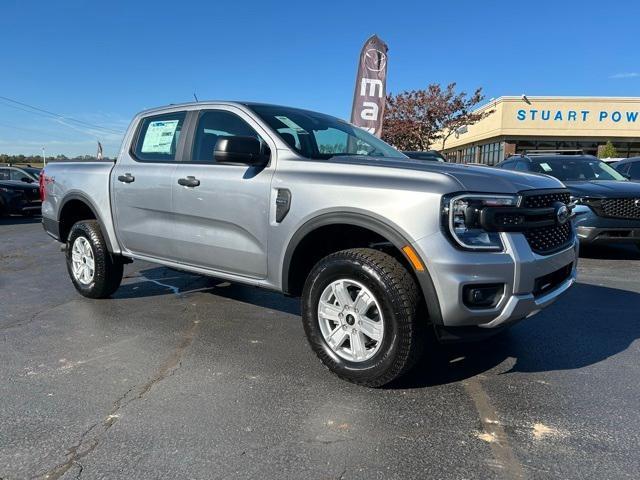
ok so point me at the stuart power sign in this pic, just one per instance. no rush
(583, 116)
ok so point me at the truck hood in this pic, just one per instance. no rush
(604, 189)
(470, 178)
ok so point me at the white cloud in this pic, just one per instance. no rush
(625, 75)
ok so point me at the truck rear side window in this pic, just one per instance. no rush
(158, 137)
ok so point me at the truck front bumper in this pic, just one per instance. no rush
(530, 283)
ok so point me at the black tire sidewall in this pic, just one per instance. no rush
(342, 268)
(90, 230)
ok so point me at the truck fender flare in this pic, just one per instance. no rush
(74, 195)
(376, 225)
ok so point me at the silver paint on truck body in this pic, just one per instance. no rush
(227, 226)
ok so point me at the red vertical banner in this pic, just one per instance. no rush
(369, 97)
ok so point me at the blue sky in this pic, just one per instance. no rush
(102, 61)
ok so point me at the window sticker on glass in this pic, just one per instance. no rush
(545, 167)
(159, 136)
(291, 124)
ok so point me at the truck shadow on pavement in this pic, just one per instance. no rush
(588, 325)
(162, 281)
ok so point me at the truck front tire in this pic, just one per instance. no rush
(360, 310)
(93, 270)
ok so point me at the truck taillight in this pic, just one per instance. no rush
(43, 193)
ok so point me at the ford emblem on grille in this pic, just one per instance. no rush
(562, 214)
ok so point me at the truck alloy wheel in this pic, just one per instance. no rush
(351, 320)
(82, 262)
(93, 270)
(360, 313)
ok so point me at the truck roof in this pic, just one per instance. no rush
(203, 103)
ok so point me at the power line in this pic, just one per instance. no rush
(57, 115)
(91, 133)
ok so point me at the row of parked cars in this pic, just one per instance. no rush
(19, 190)
(605, 196)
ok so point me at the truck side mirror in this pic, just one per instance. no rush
(239, 149)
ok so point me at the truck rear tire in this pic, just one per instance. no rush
(360, 310)
(93, 270)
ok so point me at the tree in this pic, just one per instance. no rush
(416, 119)
(608, 151)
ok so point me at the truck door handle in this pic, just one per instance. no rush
(189, 182)
(126, 178)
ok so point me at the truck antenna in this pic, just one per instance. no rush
(195, 96)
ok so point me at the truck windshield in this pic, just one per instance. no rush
(576, 170)
(320, 137)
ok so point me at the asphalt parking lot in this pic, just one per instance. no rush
(181, 376)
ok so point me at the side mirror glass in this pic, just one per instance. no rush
(239, 149)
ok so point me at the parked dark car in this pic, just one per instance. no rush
(20, 198)
(629, 168)
(607, 204)
(430, 155)
(20, 173)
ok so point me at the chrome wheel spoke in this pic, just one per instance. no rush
(363, 302)
(371, 329)
(341, 294)
(358, 349)
(90, 263)
(337, 338)
(329, 311)
(85, 274)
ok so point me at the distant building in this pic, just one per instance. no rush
(523, 123)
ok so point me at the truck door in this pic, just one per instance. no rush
(222, 210)
(141, 183)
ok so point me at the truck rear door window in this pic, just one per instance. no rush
(158, 137)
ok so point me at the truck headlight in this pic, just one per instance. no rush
(461, 218)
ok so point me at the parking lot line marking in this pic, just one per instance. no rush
(175, 290)
(493, 433)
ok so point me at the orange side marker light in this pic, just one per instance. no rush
(413, 258)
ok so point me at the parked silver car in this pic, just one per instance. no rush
(382, 249)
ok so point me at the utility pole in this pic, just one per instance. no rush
(44, 159)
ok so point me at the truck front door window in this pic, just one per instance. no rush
(213, 125)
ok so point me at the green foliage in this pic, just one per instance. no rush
(608, 151)
(37, 159)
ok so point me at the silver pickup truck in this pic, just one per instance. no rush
(383, 249)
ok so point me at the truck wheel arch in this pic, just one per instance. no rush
(374, 225)
(366, 222)
(66, 219)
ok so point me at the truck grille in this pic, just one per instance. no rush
(620, 208)
(545, 200)
(547, 240)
